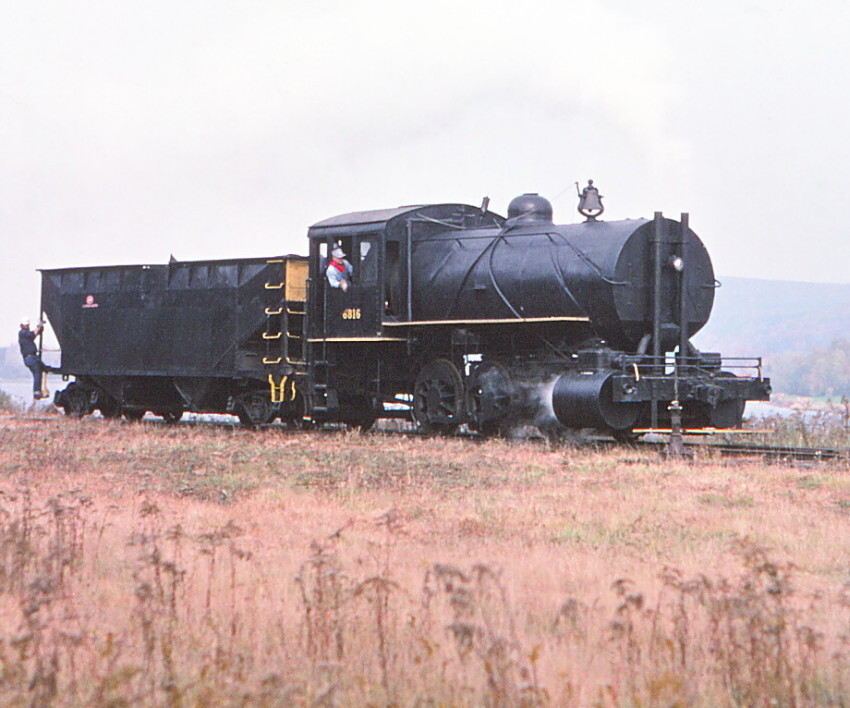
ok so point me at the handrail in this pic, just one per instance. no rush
(647, 366)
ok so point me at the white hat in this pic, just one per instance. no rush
(25, 321)
(338, 252)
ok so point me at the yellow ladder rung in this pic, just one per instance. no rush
(266, 360)
(270, 311)
(269, 286)
(266, 335)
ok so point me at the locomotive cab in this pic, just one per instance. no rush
(379, 245)
(353, 312)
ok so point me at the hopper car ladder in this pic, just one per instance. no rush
(283, 337)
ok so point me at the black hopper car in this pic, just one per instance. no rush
(455, 316)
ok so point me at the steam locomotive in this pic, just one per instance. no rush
(455, 316)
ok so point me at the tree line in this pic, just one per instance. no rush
(11, 364)
(822, 371)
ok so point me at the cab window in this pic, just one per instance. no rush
(367, 269)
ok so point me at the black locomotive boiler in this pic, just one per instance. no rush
(455, 316)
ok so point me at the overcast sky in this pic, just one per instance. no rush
(212, 128)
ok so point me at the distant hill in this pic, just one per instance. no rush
(11, 366)
(773, 317)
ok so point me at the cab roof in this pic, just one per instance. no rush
(453, 216)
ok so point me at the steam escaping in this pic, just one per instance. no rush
(534, 411)
(562, 404)
(540, 395)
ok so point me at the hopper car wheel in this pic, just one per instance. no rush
(296, 414)
(133, 413)
(255, 408)
(77, 401)
(172, 415)
(438, 398)
(108, 406)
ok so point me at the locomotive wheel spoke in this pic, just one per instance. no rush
(438, 397)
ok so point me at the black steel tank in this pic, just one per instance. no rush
(533, 269)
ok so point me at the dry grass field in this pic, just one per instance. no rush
(198, 565)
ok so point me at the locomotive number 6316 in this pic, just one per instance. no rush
(351, 313)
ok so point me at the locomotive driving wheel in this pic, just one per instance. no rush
(490, 399)
(438, 398)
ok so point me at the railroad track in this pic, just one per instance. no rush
(771, 453)
(775, 453)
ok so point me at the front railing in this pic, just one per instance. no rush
(649, 366)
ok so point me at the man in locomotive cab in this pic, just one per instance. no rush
(339, 270)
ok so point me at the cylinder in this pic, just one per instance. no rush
(583, 400)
